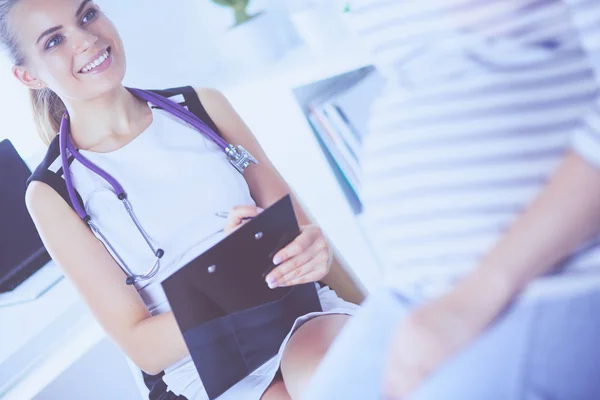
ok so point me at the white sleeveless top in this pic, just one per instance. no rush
(176, 180)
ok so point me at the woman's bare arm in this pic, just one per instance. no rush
(152, 343)
(266, 184)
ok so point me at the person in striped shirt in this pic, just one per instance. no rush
(481, 188)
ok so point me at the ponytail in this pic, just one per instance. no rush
(48, 110)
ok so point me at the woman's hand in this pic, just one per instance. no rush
(306, 259)
(239, 215)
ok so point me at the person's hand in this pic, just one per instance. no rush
(424, 340)
(239, 215)
(306, 259)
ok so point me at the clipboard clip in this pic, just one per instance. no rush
(213, 268)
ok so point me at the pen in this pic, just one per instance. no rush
(225, 214)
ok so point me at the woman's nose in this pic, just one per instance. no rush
(83, 40)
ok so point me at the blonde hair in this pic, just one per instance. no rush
(47, 107)
(48, 110)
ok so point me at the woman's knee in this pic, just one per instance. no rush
(276, 391)
(306, 348)
(314, 337)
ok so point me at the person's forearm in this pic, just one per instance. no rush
(158, 343)
(563, 217)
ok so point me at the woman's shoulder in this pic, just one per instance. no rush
(44, 202)
(209, 96)
(48, 166)
(48, 175)
(215, 103)
(37, 193)
(51, 157)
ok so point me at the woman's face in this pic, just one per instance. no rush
(65, 44)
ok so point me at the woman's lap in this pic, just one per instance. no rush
(536, 347)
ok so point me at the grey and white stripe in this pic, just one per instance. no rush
(484, 99)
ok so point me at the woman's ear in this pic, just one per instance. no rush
(26, 78)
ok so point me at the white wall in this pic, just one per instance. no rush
(177, 43)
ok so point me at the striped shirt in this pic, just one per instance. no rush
(484, 99)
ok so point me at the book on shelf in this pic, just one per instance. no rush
(354, 105)
(331, 141)
(348, 138)
(340, 117)
(338, 109)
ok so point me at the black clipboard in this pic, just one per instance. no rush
(221, 300)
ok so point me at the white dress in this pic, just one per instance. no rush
(176, 180)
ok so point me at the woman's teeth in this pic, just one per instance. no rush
(96, 62)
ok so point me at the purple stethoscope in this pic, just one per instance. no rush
(238, 157)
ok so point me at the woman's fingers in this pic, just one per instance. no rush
(307, 257)
(294, 267)
(240, 215)
(300, 244)
(312, 271)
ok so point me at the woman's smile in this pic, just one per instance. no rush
(99, 63)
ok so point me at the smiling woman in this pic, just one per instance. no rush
(71, 57)
(47, 61)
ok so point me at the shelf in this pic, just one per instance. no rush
(339, 141)
(299, 66)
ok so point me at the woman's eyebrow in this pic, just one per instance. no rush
(56, 28)
(81, 7)
(48, 32)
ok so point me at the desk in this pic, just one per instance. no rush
(44, 337)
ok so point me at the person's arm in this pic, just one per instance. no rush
(152, 343)
(565, 214)
(307, 259)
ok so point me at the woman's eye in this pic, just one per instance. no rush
(89, 16)
(54, 41)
